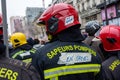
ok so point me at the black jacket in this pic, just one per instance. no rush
(67, 58)
(12, 69)
(24, 53)
(111, 68)
(95, 44)
(67, 61)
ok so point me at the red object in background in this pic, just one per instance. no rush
(1, 31)
(110, 37)
(1, 28)
(1, 34)
(1, 20)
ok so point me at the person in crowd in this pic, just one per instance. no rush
(12, 69)
(65, 57)
(30, 41)
(84, 34)
(21, 49)
(37, 44)
(44, 40)
(10, 47)
(92, 27)
(110, 38)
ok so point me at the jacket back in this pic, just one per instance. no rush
(11, 69)
(67, 61)
(23, 53)
(111, 68)
(95, 44)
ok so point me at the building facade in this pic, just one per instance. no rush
(110, 11)
(25, 24)
(17, 24)
(88, 11)
(31, 14)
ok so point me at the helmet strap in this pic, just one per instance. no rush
(52, 24)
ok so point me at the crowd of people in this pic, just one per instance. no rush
(69, 55)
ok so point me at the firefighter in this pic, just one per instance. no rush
(21, 49)
(65, 57)
(12, 69)
(93, 27)
(110, 38)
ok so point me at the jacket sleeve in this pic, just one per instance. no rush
(99, 76)
(106, 74)
(37, 63)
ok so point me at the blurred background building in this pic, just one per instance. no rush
(110, 12)
(86, 8)
(17, 24)
(100, 10)
(25, 24)
(31, 14)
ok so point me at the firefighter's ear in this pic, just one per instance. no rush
(52, 24)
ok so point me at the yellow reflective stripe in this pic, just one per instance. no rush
(15, 55)
(54, 78)
(33, 50)
(27, 60)
(20, 52)
(72, 69)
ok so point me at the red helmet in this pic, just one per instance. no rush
(110, 37)
(59, 17)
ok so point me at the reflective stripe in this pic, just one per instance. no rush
(32, 50)
(54, 78)
(23, 51)
(16, 54)
(73, 69)
(27, 60)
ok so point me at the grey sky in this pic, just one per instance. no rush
(18, 7)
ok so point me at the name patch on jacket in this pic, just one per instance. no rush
(114, 65)
(25, 54)
(72, 58)
(8, 74)
(63, 49)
